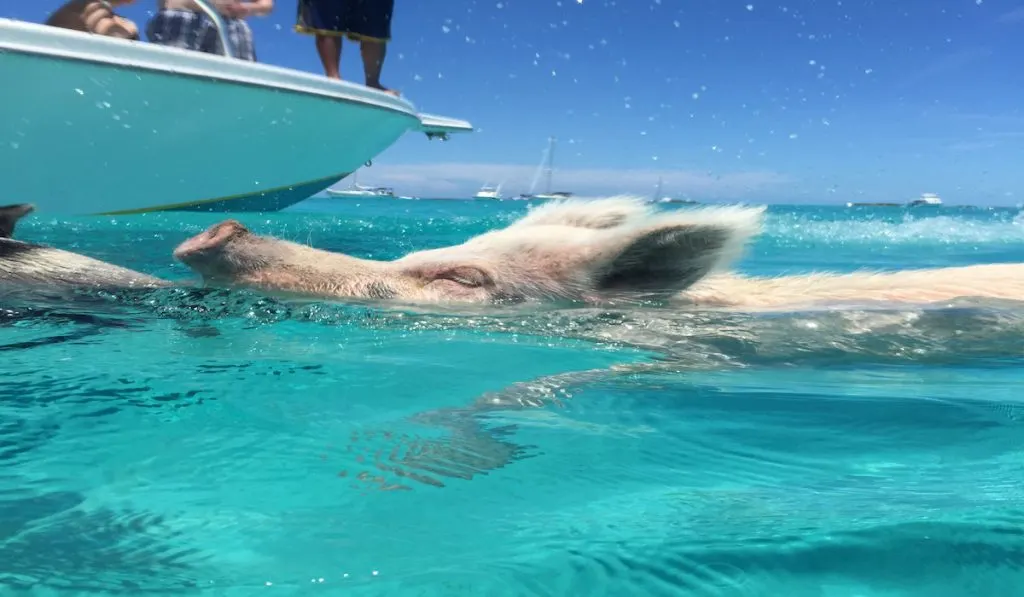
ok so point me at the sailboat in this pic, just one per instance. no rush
(548, 158)
(358, 190)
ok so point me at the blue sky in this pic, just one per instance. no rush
(805, 102)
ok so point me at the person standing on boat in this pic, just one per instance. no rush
(181, 24)
(94, 16)
(365, 21)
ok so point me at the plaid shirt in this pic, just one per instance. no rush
(195, 31)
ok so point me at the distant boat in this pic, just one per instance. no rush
(546, 165)
(488, 192)
(356, 190)
(925, 200)
(659, 198)
(361, 191)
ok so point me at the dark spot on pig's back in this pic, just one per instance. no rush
(380, 290)
(13, 249)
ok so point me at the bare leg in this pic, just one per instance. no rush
(373, 53)
(329, 48)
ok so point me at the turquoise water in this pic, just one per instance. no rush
(219, 443)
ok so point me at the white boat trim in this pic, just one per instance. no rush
(431, 123)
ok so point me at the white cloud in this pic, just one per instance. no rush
(464, 179)
(1014, 16)
(947, 64)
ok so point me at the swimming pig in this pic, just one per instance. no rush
(573, 250)
(588, 251)
(26, 264)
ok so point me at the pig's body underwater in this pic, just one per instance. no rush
(28, 265)
(610, 250)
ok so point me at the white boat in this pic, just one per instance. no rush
(356, 190)
(97, 125)
(547, 165)
(926, 200)
(660, 198)
(488, 192)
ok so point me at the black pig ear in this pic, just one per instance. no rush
(9, 216)
(674, 253)
(665, 261)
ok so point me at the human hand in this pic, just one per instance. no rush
(130, 30)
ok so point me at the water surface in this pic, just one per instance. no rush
(219, 443)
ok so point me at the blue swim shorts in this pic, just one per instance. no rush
(355, 19)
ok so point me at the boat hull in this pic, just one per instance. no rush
(97, 125)
(267, 201)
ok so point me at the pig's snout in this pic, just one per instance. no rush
(210, 240)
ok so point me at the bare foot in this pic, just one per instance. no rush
(384, 89)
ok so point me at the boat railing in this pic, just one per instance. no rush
(218, 22)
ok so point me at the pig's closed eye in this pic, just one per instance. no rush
(469, 277)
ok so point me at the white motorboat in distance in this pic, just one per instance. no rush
(488, 192)
(926, 200)
(357, 191)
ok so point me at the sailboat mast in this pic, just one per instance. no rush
(551, 161)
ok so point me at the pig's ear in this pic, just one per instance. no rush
(673, 252)
(9, 216)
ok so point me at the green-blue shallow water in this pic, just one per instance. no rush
(220, 443)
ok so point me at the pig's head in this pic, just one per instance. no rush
(590, 251)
